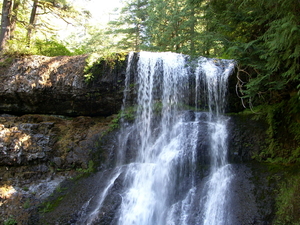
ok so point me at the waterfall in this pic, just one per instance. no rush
(159, 153)
(216, 193)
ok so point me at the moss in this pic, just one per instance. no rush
(283, 132)
(97, 66)
(127, 115)
(85, 172)
(10, 221)
(287, 201)
(49, 206)
(54, 199)
(282, 190)
(6, 61)
(27, 204)
(282, 155)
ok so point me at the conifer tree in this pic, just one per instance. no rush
(167, 27)
(131, 25)
(17, 20)
(264, 37)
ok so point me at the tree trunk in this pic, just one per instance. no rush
(5, 24)
(32, 21)
(192, 32)
(14, 16)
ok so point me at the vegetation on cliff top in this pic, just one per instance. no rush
(98, 65)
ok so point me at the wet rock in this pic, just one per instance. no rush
(38, 155)
(189, 116)
(38, 152)
(247, 137)
(57, 161)
(253, 194)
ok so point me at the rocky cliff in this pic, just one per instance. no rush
(57, 85)
(46, 133)
(53, 131)
(38, 152)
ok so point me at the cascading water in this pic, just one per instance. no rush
(158, 154)
(216, 188)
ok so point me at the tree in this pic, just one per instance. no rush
(282, 42)
(6, 23)
(94, 40)
(156, 25)
(59, 9)
(266, 41)
(19, 24)
(165, 26)
(131, 25)
(32, 20)
(14, 17)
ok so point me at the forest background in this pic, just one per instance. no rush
(262, 36)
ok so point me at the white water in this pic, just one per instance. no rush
(150, 178)
(160, 181)
(216, 193)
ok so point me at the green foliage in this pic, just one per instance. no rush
(94, 40)
(115, 123)
(50, 48)
(27, 204)
(283, 143)
(127, 115)
(176, 26)
(97, 65)
(19, 47)
(50, 205)
(10, 221)
(90, 61)
(266, 42)
(131, 25)
(81, 172)
(25, 188)
(28, 22)
(47, 207)
(90, 169)
(6, 61)
(287, 202)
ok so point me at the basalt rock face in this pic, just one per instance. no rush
(60, 142)
(247, 138)
(56, 85)
(39, 152)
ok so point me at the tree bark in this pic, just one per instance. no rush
(32, 21)
(13, 18)
(5, 23)
(192, 32)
